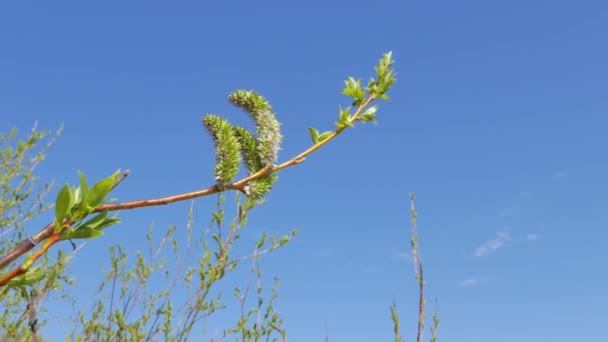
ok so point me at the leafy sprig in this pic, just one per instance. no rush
(362, 98)
(233, 145)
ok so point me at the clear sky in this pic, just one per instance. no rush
(497, 123)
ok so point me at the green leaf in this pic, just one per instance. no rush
(217, 217)
(324, 136)
(283, 240)
(261, 242)
(110, 221)
(386, 77)
(99, 191)
(100, 221)
(96, 220)
(369, 115)
(217, 239)
(84, 187)
(344, 114)
(344, 117)
(314, 134)
(353, 89)
(33, 276)
(368, 118)
(371, 110)
(62, 205)
(81, 233)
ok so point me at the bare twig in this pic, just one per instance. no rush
(418, 270)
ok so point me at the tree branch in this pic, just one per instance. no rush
(48, 233)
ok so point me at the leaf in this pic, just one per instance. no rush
(324, 136)
(62, 205)
(284, 239)
(33, 276)
(217, 239)
(368, 118)
(100, 221)
(314, 134)
(369, 115)
(344, 114)
(99, 191)
(386, 77)
(217, 217)
(110, 221)
(96, 220)
(84, 187)
(81, 233)
(344, 118)
(371, 110)
(261, 242)
(353, 89)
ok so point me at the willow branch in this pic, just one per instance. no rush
(47, 234)
(52, 237)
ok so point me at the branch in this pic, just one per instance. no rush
(49, 234)
(238, 185)
(418, 271)
(226, 167)
(52, 237)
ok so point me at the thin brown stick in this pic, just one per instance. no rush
(48, 232)
(418, 271)
(23, 268)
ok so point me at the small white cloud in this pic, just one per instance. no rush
(471, 281)
(559, 175)
(492, 245)
(532, 237)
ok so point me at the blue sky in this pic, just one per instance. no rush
(497, 123)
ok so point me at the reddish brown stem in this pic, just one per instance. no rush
(48, 231)
(21, 269)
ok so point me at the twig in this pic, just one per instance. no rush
(48, 233)
(418, 270)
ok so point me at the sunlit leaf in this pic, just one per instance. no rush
(314, 134)
(99, 191)
(62, 205)
(81, 233)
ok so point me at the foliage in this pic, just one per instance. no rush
(21, 197)
(132, 311)
(126, 309)
(22, 200)
(419, 276)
